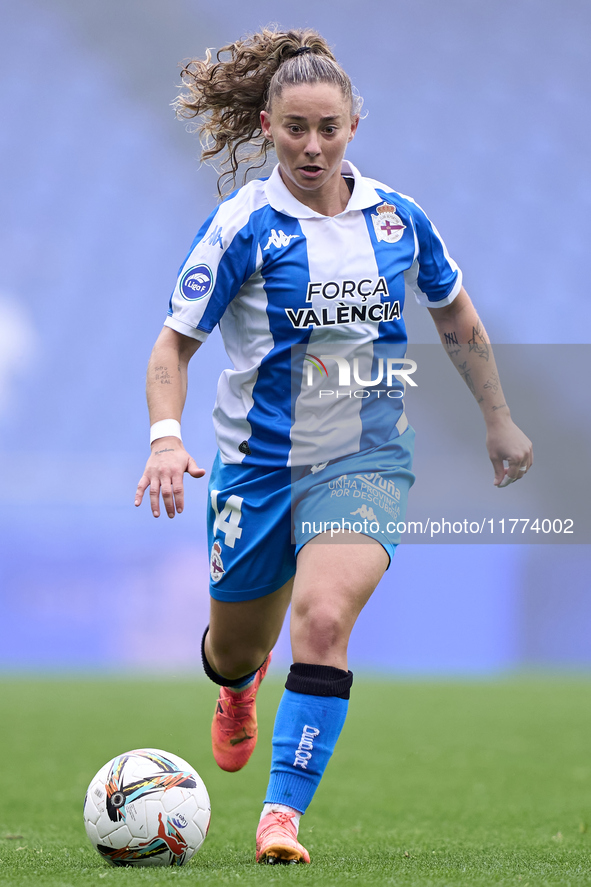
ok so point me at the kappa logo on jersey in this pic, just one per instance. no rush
(196, 283)
(216, 565)
(280, 238)
(387, 225)
(215, 236)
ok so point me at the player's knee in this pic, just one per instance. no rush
(323, 630)
(233, 664)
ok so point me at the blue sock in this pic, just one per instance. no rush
(309, 721)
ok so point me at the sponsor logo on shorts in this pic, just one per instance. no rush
(196, 283)
(216, 565)
(372, 489)
(306, 747)
(380, 483)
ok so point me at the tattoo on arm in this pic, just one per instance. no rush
(162, 375)
(500, 407)
(167, 450)
(478, 343)
(493, 383)
(451, 343)
(465, 374)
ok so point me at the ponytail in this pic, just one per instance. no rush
(228, 95)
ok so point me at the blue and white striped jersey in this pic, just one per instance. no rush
(299, 298)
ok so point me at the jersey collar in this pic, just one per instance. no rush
(282, 200)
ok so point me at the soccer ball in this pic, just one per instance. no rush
(147, 807)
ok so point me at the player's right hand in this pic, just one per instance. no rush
(164, 472)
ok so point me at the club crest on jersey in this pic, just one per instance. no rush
(196, 283)
(387, 225)
(216, 565)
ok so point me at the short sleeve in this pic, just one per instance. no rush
(434, 277)
(221, 259)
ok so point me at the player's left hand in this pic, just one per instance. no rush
(510, 451)
(164, 473)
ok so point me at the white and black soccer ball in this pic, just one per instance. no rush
(147, 807)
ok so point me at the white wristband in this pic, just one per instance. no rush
(165, 428)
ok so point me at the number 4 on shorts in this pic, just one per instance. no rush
(228, 521)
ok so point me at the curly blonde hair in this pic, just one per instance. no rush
(228, 95)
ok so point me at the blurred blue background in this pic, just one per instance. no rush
(479, 111)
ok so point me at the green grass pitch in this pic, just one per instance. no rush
(459, 783)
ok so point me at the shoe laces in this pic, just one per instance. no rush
(278, 818)
(235, 709)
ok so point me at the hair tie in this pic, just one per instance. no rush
(302, 50)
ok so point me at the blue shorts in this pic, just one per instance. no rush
(258, 520)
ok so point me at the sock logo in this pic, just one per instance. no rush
(306, 746)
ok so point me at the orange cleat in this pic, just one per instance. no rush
(234, 727)
(277, 841)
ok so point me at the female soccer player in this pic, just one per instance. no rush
(305, 272)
